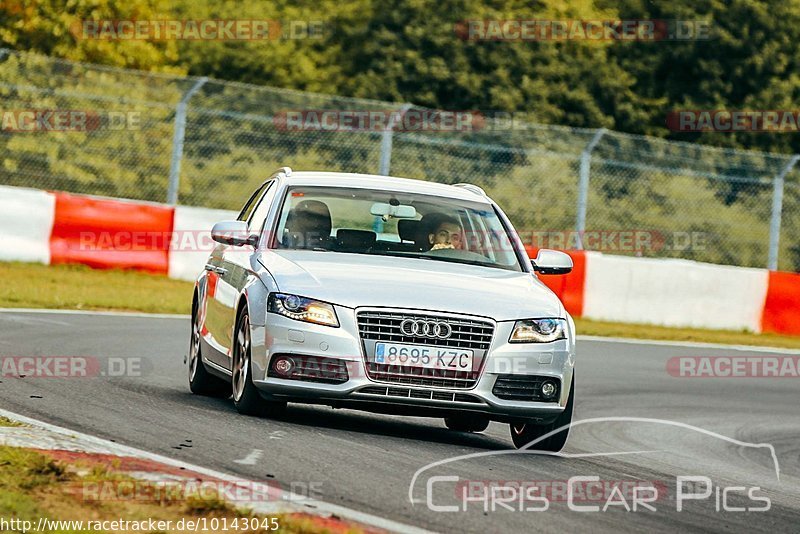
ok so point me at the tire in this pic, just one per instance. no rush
(524, 433)
(246, 397)
(201, 382)
(467, 423)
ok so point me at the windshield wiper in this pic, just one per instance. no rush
(393, 254)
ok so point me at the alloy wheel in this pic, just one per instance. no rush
(241, 359)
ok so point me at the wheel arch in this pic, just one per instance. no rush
(242, 304)
(253, 299)
(195, 300)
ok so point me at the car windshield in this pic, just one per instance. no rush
(387, 223)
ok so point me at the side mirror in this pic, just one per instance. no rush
(552, 262)
(233, 233)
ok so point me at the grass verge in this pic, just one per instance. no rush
(5, 421)
(78, 287)
(587, 327)
(37, 486)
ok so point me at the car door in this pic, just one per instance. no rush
(220, 292)
(237, 269)
(211, 331)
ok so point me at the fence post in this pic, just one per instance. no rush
(386, 142)
(777, 211)
(177, 142)
(583, 185)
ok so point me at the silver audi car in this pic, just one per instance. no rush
(384, 294)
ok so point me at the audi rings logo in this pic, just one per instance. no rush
(431, 329)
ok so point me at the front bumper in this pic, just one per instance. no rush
(284, 336)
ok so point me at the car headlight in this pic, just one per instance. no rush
(538, 331)
(302, 309)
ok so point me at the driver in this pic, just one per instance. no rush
(445, 233)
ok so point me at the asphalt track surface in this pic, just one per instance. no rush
(366, 462)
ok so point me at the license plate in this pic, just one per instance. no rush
(453, 359)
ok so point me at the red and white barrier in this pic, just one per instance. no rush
(570, 288)
(107, 233)
(26, 221)
(191, 241)
(45, 227)
(782, 305)
(673, 292)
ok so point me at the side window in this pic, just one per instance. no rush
(251, 203)
(256, 220)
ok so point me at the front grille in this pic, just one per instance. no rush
(523, 388)
(385, 326)
(474, 334)
(311, 369)
(387, 391)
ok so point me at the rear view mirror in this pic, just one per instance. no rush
(552, 262)
(387, 211)
(232, 233)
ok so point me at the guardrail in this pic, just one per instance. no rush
(55, 228)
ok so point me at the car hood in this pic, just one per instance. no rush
(356, 280)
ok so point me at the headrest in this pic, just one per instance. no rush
(407, 229)
(355, 240)
(308, 225)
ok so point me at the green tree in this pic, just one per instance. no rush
(53, 27)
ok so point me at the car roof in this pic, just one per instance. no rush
(390, 183)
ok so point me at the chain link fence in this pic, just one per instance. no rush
(209, 143)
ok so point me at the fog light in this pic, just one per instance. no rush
(548, 389)
(283, 365)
